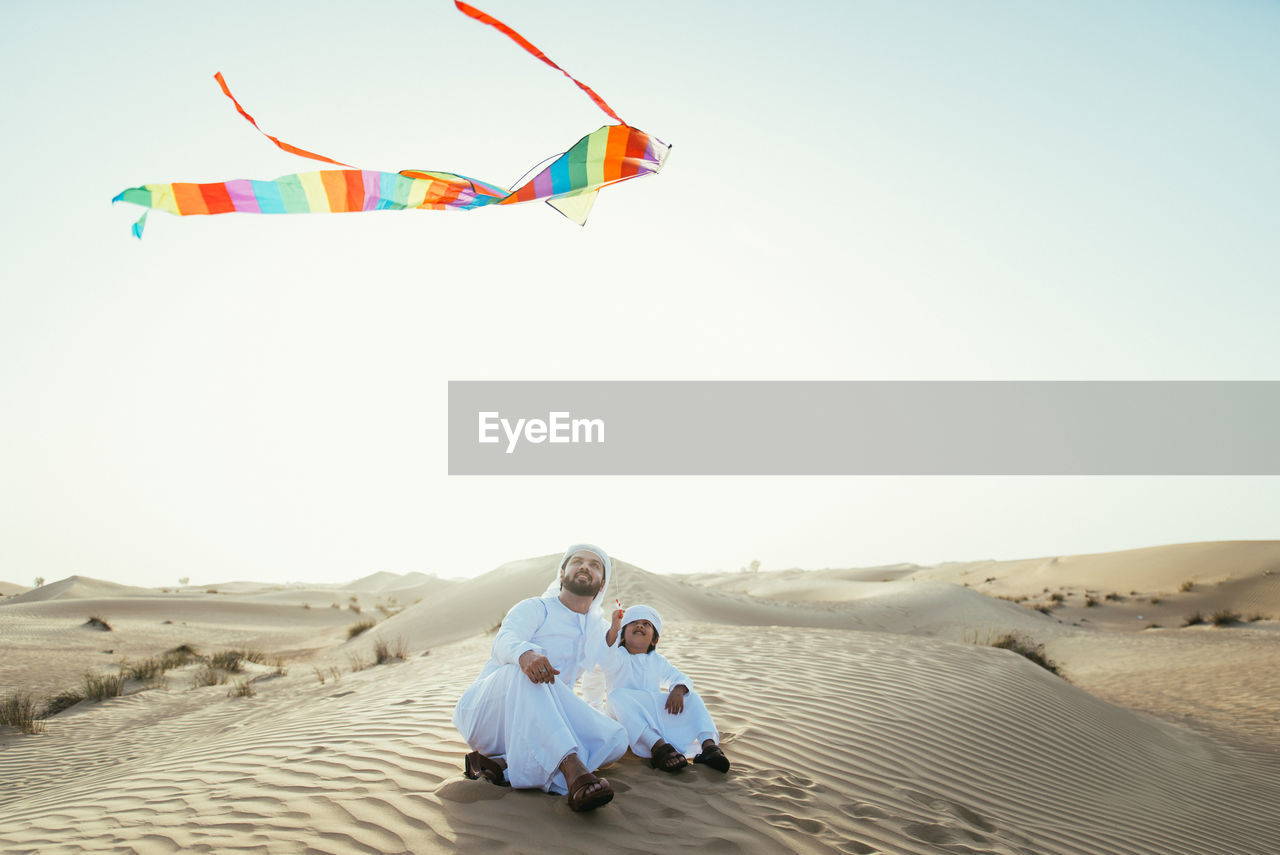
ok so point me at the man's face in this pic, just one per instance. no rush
(583, 574)
(637, 636)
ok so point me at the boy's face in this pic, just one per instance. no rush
(637, 636)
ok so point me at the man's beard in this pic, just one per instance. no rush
(580, 588)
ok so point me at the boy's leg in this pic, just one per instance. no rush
(636, 711)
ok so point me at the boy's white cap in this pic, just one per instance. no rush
(648, 613)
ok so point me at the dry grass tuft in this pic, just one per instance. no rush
(1225, 617)
(233, 660)
(1193, 619)
(19, 710)
(208, 676)
(357, 628)
(242, 690)
(384, 652)
(1186, 586)
(99, 687)
(61, 701)
(1024, 646)
(96, 622)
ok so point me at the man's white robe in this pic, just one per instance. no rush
(535, 726)
(638, 685)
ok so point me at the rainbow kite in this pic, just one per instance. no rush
(611, 154)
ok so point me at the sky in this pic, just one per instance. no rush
(856, 191)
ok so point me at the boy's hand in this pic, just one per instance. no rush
(675, 700)
(537, 667)
(616, 622)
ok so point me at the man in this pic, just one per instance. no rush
(522, 718)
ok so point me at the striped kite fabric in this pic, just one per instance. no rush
(606, 156)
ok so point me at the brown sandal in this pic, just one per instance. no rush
(713, 757)
(579, 801)
(667, 758)
(478, 766)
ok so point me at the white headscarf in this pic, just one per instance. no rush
(641, 612)
(554, 587)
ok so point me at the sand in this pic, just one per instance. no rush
(859, 713)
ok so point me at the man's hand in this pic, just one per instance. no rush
(537, 667)
(675, 700)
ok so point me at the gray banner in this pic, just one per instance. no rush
(864, 428)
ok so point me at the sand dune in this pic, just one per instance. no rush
(858, 718)
(8, 589)
(79, 588)
(1156, 569)
(845, 742)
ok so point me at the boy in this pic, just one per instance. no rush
(661, 725)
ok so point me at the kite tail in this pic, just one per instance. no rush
(531, 48)
(282, 145)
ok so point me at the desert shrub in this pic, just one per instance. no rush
(98, 687)
(1155, 601)
(1044, 610)
(96, 622)
(1091, 601)
(1256, 616)
(212, 591)
(183, 650)
(1057, 597)
(1225, 617)
(1193, 619)
(357, 628)
(1186, 586)
(1115, 598)
(19, 710)
(1028, 648)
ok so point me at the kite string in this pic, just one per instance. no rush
(529, 46)
(520, 181)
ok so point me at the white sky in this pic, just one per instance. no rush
(857, 190)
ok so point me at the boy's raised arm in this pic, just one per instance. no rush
(615, 624)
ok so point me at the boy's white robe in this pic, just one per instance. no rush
(638, 685)
(534, 726)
